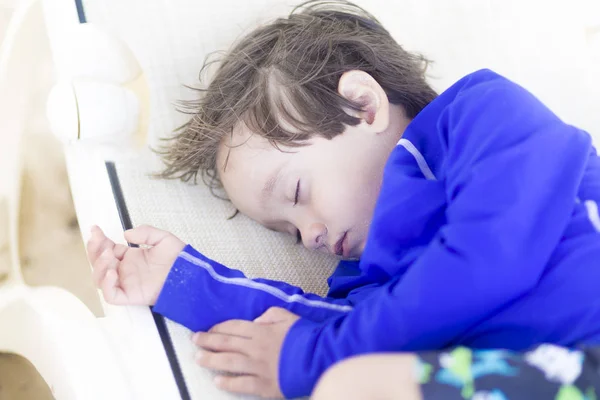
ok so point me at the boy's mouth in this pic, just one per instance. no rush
(339, 246)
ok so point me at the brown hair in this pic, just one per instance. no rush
(286, 73)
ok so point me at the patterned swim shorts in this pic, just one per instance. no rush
(546, 372)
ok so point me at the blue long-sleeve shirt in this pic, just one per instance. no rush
(486, 233)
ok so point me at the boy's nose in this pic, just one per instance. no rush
(314, 235)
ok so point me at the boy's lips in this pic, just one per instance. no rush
(339, 248)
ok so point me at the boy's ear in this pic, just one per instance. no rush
(361, 88)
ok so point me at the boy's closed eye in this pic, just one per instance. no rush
(297, 194)
(296, 199)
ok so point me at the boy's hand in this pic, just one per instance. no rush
(249, 349)
(133, 276)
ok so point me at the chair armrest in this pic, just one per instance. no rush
(101, 93)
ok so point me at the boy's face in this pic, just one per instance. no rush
(326, 191)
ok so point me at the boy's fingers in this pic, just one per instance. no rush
(120, 250)
(145, 234)
(98, 274)
(97, 244)
(106, 261)
(236, 327)
(110, 288)
(220, 342)
(235, 363)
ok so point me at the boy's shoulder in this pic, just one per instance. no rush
(482, 110)
(483, 93)
(481, 83)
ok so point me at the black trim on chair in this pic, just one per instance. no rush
(80, 11)
(159, 320)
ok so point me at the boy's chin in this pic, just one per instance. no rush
(356, 251)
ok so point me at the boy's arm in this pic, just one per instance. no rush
(200, 293)
(513, 180)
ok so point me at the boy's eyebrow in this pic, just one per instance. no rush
(270, 184)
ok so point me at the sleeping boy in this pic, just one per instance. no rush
(473, 214)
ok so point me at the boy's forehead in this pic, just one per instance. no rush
(250, 158)
(241, 148)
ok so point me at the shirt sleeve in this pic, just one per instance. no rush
(199, 293)
(513, 175)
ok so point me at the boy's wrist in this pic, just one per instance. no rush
(302, 335)
(173, 273)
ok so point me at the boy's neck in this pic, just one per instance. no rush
(397, 125)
